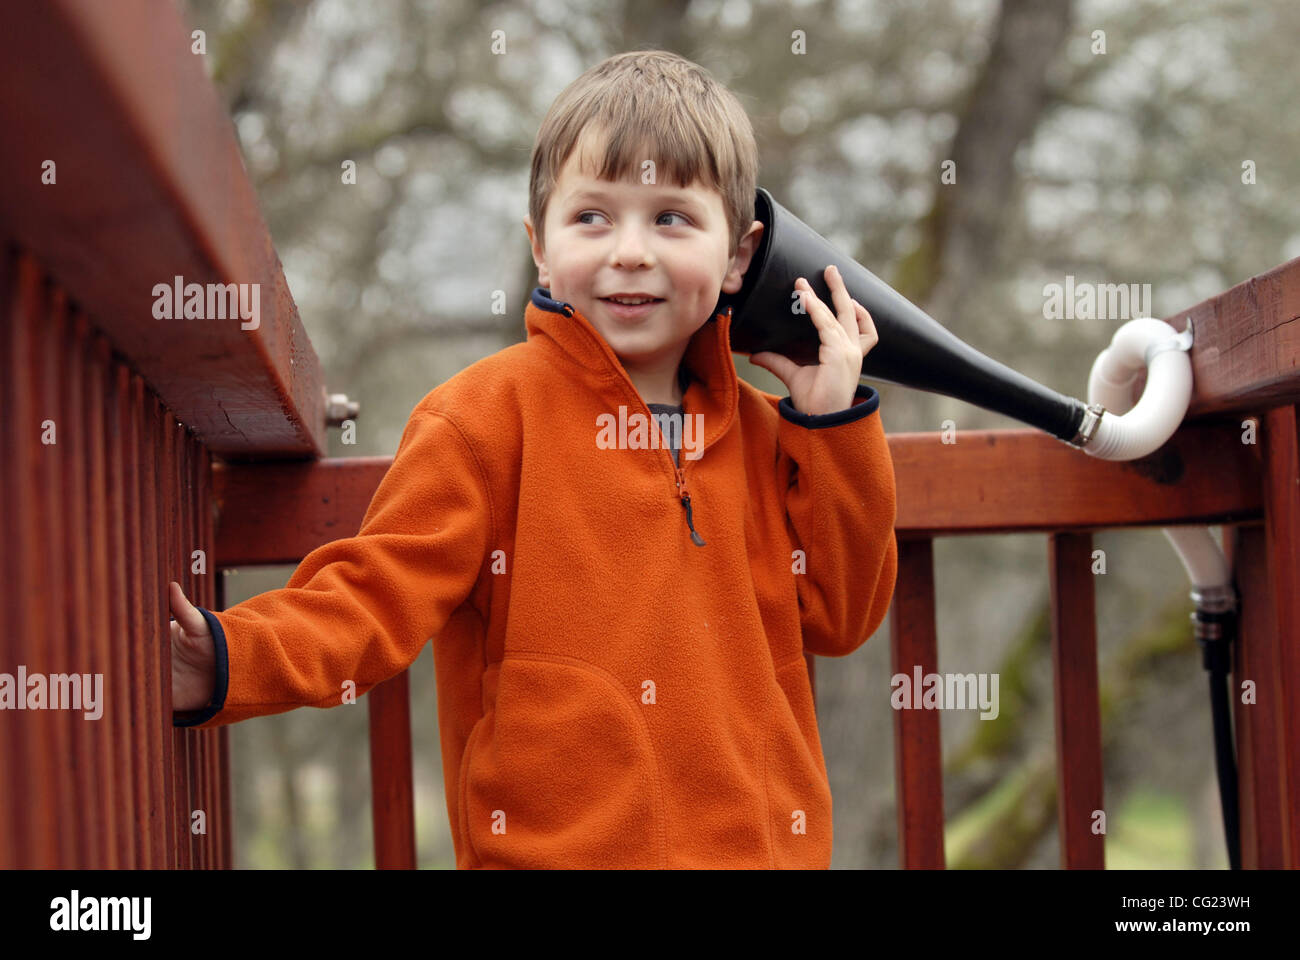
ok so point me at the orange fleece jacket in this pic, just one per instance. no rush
(611, 693)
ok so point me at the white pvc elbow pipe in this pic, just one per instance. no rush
(1145, 343)
(1126, 434)
(1201, 555)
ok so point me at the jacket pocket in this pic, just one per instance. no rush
(798, 793)
(560, 772)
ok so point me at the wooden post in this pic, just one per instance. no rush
(1078, 710)
(1281, 454)
(918, 755)
(1258, 725)
(392, 793)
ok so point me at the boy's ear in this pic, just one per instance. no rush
(740, 261)
(539, 256)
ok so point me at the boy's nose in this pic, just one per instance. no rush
(631, 248)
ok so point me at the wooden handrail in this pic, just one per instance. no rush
(150, 185)
(987, 482)
(1246, 351)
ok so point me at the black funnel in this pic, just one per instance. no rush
(915, 350)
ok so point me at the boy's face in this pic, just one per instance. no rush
(630, 237)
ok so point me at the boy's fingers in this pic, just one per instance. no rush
(818, 312)
(781, 366)
(844, 311)
(866, 326)
(186, 614)
(826, 322)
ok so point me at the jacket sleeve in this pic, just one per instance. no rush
(361, 608)
(841, 507)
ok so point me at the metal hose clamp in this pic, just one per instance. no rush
(1088, 426)
(1214, 624)
(1218, 599)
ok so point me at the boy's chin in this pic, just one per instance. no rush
(627, 353)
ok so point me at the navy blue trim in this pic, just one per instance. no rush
(541, 297)
(192, 718)
(866, 393)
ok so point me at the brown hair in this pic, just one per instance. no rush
(654, 105)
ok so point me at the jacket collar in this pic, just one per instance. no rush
(711, 384)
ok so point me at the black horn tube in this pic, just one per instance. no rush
(915, 350)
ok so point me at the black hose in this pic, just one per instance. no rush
(1215, 626)
(1226, 766)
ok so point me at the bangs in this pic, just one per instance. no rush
(679, 152)
(645, 107)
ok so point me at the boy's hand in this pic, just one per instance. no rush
(194, 655)
(829, 385)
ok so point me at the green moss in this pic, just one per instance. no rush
(1151, 830)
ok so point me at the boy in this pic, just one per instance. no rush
(618, 628)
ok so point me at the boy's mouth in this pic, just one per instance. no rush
(631, 299)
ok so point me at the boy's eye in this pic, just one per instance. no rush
(592, 213)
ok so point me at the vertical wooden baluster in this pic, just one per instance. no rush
(203, 539)
(98, 618)
(1258, 725)
(84, 755)
(393, 801)
(187, 544)
(1077, 703)
(64, 537)
(40, 839)
(139, 635)
(223, 734)
(203, 738)
(183, 776)
(119, 683)
(111, 764)
(156, 489)
(150, 655)
(10, 800)
(1281, 450)
(918, 755)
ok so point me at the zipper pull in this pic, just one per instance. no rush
(686, 502)
(695, 537)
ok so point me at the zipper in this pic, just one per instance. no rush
(682, 493)
(686, 497)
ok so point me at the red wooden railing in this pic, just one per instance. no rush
(95, 524)
(120, 171)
